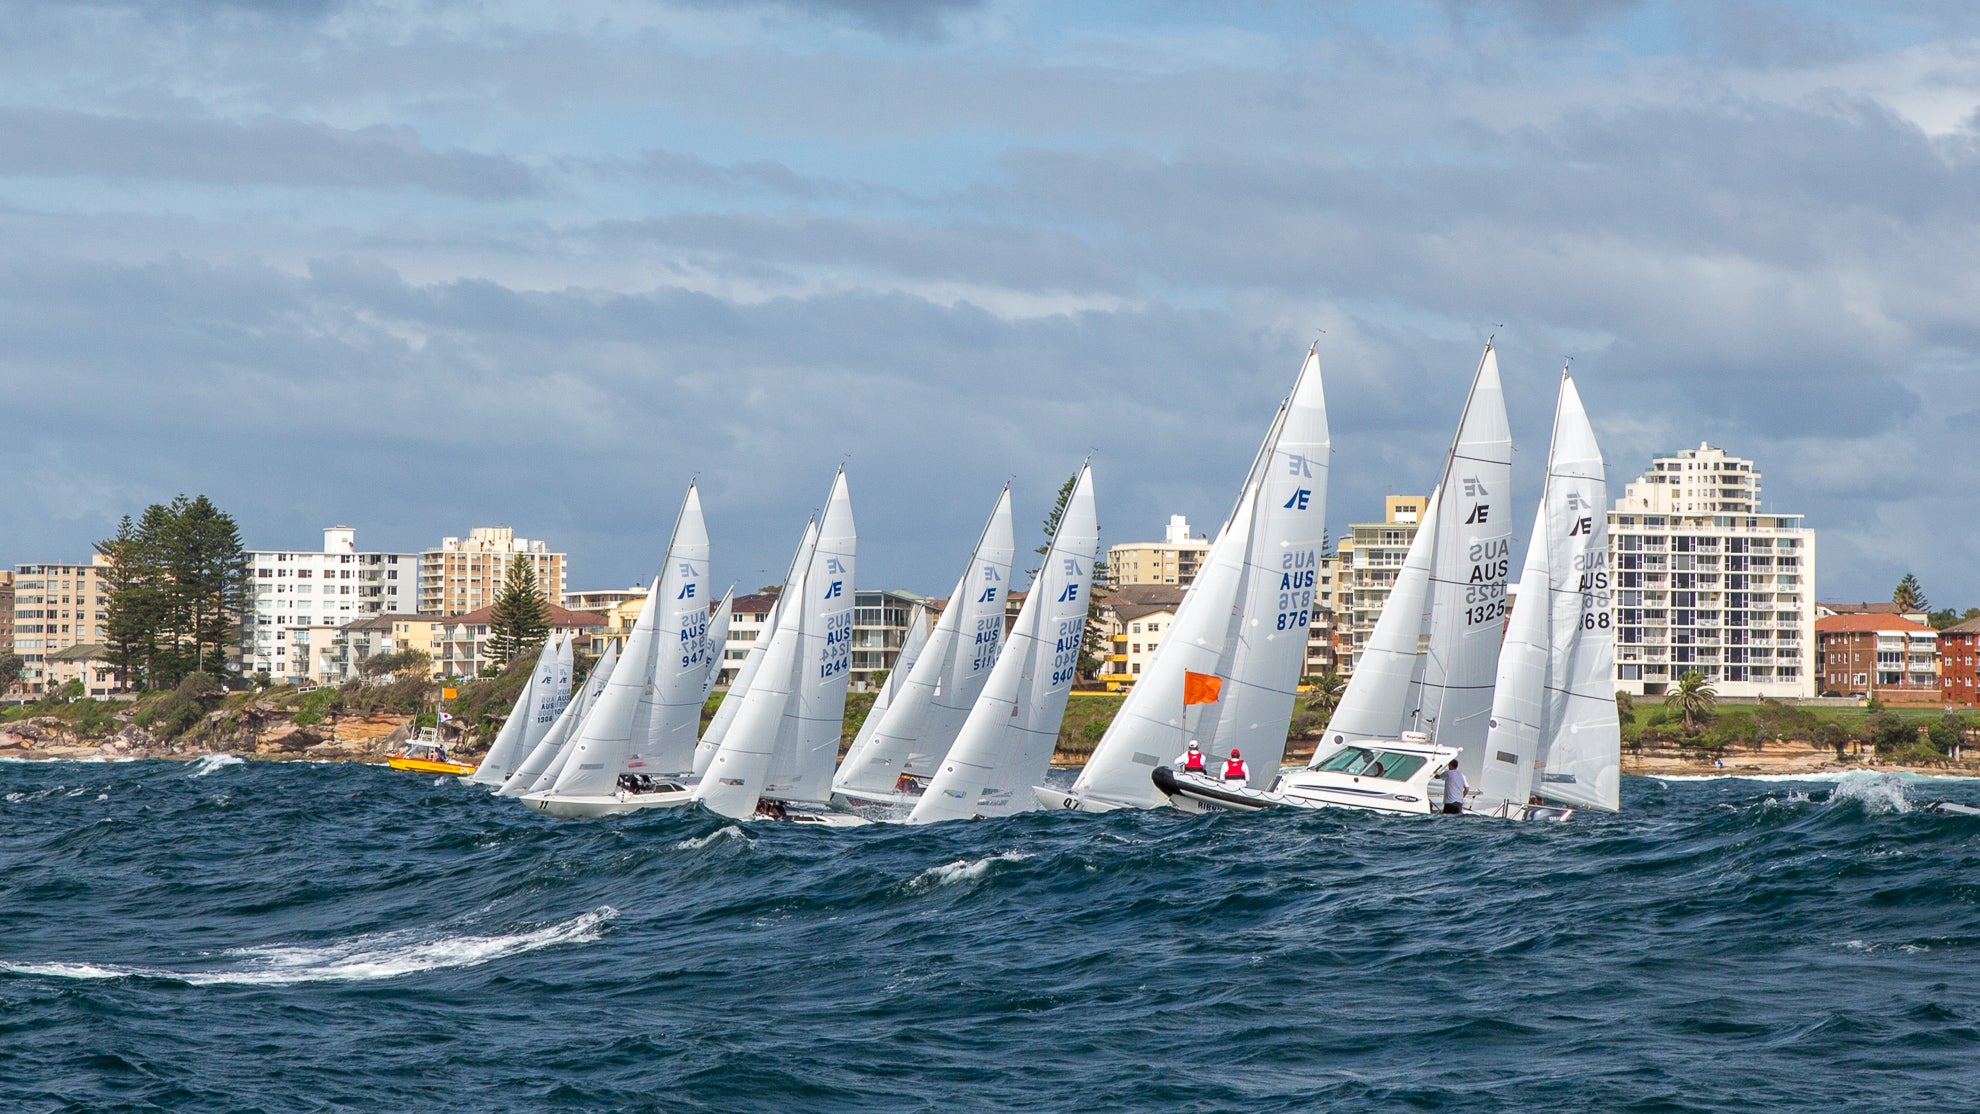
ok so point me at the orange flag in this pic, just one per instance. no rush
(448, 694)
(1201, 688)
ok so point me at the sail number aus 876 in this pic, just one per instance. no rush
(1297, 575)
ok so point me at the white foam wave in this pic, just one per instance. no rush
(726, 832)
(213, 762)
(961, 871)
(366, 958)
(1876, 793)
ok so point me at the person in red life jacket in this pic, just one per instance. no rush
(1191, 761)
(1234, 769)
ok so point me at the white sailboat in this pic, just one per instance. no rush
(1007, 740)
(1554, 742)
(1421, 691)
(536, 708)
(637, 746)
(544, 760)
(784, 741)
(919, 724)
(1246, 620)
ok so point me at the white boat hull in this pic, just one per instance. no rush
(575, 807)
(1051, 798)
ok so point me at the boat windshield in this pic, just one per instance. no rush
(1364, 762)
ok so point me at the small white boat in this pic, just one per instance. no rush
(1395, 776)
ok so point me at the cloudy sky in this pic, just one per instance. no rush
(422, 266)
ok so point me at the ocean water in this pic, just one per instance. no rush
(242, 936)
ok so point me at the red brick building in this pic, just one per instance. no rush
(1959, 681)
(1885, 657)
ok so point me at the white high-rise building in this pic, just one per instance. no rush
(1704, 582)
(296, 590)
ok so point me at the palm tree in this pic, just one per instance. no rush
(1326, 691)
(1693, 698)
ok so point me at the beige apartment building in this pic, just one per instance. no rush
(1370, 556)
(464, 639)
(1175, 559)
(6, 612)
(55, 608)
(465, 574)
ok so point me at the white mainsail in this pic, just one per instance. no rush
(1246, 619)
(1468, 575)
(802, 771)
(1375, 705)
(541, 759)
(1581, 749)
(920, 723)
(529, 720)
(1555, 710)
(916, 640)
(1273, 613)
(1006, 742)
(681, 650)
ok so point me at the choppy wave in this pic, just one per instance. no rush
(212, 762)
(344, 937)
(385, 955)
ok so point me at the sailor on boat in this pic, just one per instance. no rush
(1191, 761)
(1454, 788)
(1235, 770)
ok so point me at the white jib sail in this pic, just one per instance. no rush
(546, 752)
(718, 640)
(917, 639)
(681, 650)
(1581, 749)
(502, 757)
(1512, 737)
(732, 779)
(1006, 742)
(732, 702)
(1273, 615)
(1468, 574)
(599, 747)
(802, 770)
(1375, 704)
(921, 721)
(606, 668)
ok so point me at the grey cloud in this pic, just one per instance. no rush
(912, 19)
(727, 181)
(1544, 17)
(264, 150)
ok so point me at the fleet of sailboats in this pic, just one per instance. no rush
(966, 724)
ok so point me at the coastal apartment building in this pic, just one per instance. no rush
(57, 608)
(1371, 554)
(300, 597)
(1959, 676)
(1174, 560)
(462, 646)
(6, 613)
(466, 574)
(1883, 657)
(603, 599)
(1702, 581)
(880, 626)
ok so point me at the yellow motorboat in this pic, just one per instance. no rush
(425, 757)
